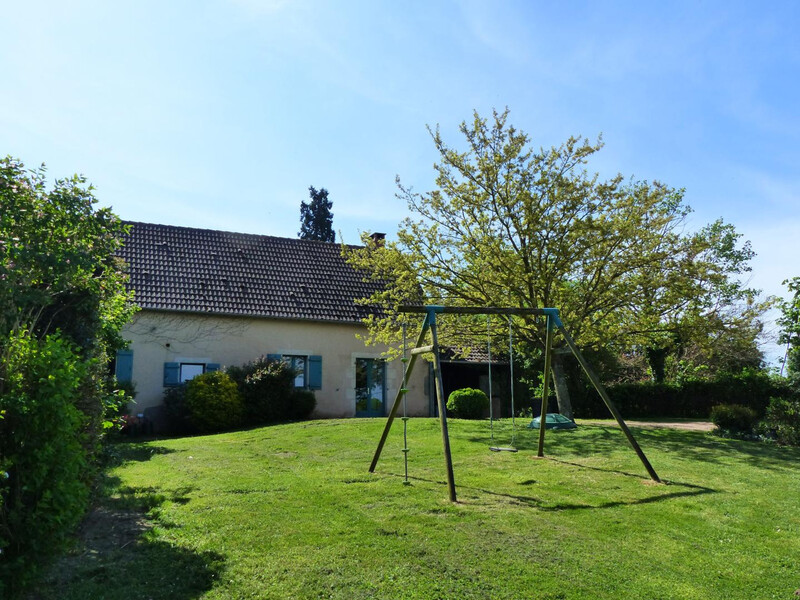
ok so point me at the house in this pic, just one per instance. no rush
(211, 299)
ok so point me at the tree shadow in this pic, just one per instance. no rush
(117, 556)
(598, 439)
(119, 453)
(146, 568)
(688, 490)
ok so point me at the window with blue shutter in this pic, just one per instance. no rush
(172, 373)
(212, 367)
(124, 367)
(275, 357)
(315, 372)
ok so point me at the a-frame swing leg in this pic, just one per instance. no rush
(398, 399)
(604, 395)
(429, 322)
(437, 368)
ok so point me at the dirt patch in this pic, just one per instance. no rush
(684, 425)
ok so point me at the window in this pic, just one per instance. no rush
(191, 370)
(298, 364)
(176, 373)
(308, 369)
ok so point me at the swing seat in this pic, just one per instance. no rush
(502, 449)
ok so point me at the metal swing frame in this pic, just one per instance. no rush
(553, 323)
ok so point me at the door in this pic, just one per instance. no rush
(370, 387)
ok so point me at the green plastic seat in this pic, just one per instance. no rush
(553, 421)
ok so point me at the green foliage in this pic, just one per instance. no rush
(790, 328)
(62, 305)
(316, 218)
(734, 417)
(512, 225)
(468, 403)
(690, 399)
(267, 387)
(43, 491)
(213, 402)
(303, 404)
(783, 420)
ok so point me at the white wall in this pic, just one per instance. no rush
(157, 338)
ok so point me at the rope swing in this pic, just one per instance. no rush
(494, 448)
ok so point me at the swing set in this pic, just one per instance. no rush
(429, 323)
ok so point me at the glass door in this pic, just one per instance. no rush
(370, 387)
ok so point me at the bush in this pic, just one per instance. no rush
(468, 403)
(267, 388)
(734, 417)
(213, 402)
(303, 404)
(44, 466)
(783, 420)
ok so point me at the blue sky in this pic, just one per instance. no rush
(221, 113)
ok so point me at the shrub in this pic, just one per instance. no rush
(267, 388)
(734, 417)
(213, 402)
(303, 404)
(468, 403)
(44, 466)
(783, 420)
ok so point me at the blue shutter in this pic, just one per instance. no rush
(275, 357)
(212, 367)
(315, 372)
(172, 373)
(124, 368)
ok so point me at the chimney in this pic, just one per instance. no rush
(378, 238)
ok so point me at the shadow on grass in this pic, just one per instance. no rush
(147, 568)
(117, 556)
(119, 453)
(688, 490)
(594, 439)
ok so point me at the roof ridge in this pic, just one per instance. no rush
(229, 232)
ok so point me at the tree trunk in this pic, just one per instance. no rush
(657, 359)
(560, 383)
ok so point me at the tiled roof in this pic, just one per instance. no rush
(219, 272)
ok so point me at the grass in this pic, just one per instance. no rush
(290, 511)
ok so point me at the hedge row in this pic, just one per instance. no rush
(693, 399)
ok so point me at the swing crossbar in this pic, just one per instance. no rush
(477, 310)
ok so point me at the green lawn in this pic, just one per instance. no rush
(291, 512)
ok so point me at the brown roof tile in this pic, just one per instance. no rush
(219, 272)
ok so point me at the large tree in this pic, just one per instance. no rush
(512, 225)
(316, 218)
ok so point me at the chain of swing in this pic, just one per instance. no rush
(493, 447)
(404, 390)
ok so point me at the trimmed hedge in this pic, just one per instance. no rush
(692, 399)
(468, 403)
